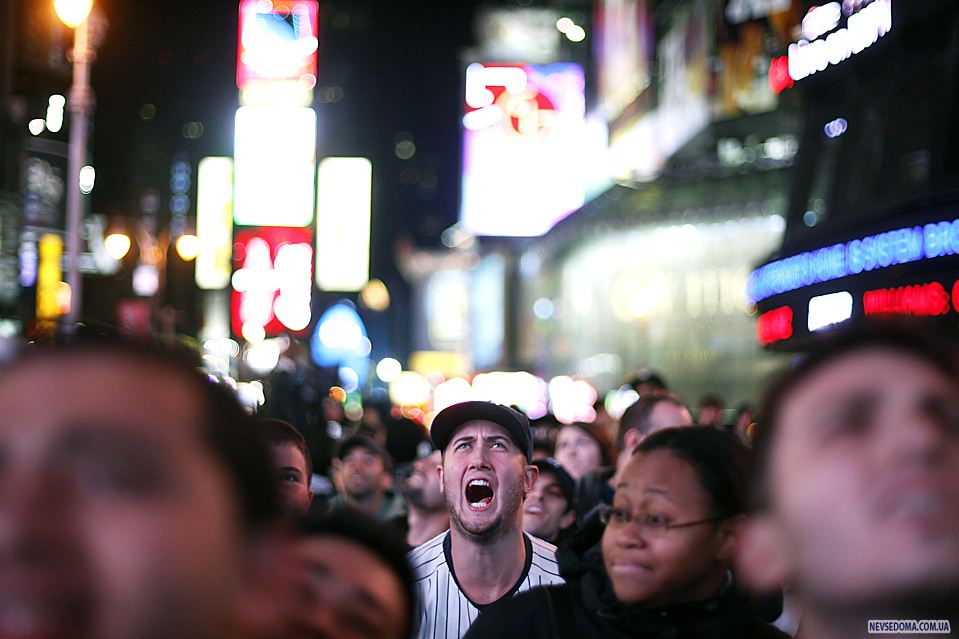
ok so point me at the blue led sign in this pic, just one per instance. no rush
(869, 253)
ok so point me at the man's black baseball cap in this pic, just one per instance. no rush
(448, 421)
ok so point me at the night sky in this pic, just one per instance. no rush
(396, 63)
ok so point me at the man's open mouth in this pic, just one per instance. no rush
(479, 495)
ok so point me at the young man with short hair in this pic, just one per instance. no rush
(365, 472)
(653, 411)
(548, 512)
(858, 487)
(485, 556)
(292, 463)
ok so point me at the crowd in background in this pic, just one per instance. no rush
(138, 499)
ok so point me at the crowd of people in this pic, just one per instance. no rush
(139, 500)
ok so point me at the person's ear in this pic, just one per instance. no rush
(762, 556)
(529, 480)
(568, 518)
(439, 473)
(631, 439)
(729, 532)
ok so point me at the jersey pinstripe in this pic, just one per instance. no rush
(445, 612)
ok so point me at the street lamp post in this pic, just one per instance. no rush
(75, 14)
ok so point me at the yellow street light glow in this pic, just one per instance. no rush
(117, 245)
(72, 12)
(188, 246)
(375, 296)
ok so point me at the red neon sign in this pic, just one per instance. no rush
(779, 78)
(272, 280)
(920, 299)
(775, 325)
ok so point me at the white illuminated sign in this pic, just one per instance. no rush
(343, 204)
(899, 246)
(862, 30)
(275, 163)
(820, 20)
(214, 222)
(828, 310)
(523, 147)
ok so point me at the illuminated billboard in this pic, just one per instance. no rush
(214, 222)
(343, 201)
(523, 140)
(272, 281)
(622, 43)
(275, 162)
(276, 52)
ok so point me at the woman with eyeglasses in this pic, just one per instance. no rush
(657, 562)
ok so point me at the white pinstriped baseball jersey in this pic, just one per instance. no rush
(445, 612)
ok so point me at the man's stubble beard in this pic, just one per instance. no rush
(499, 526)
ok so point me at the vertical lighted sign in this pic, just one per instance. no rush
(524, 132)
(343, 201)
(272, 281)
(275, 163)
(214, 222)
(276, 52)
(50, 288)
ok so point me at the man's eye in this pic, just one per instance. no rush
(461, 446)
(943, 410)
(497, 445)
(116, 478)
(620, 516)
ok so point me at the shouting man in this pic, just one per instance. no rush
(485, 476)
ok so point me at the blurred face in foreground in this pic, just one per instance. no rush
(864, 480)
(116, 519)
(650, 563)
(350, 593)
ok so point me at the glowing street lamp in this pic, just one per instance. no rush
(72, 12)
(75, 14)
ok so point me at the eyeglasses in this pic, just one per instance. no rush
(649, 525)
